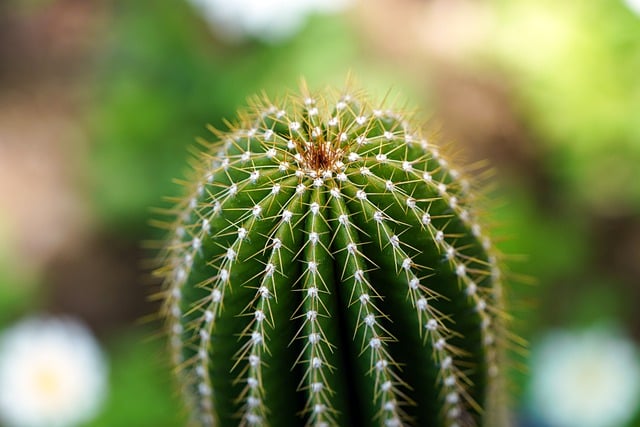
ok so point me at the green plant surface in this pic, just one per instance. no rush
(328, 267)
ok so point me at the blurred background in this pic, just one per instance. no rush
(100, 101)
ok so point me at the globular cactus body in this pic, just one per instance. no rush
(327, 268)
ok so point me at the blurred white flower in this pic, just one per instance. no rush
(52, 373)
(634, 5)
(588, 379)
(270, 20)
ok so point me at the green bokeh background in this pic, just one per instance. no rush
(147, 77)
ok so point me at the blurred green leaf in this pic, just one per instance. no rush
(18, 290)
(576, 66)
(141, 392)
(163, 77)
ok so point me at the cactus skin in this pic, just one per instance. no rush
(327, 268)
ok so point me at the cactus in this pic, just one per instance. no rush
(327, 267)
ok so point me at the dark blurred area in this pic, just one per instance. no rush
(100, 102)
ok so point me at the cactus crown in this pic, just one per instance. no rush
(327, 267)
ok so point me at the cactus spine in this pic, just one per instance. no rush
(327, 267)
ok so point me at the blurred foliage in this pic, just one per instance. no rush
(141, 388)
(163, 77)
(576, 66)
(17, 286)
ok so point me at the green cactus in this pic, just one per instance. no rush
(327, 267)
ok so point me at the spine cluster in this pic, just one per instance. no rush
(327, 268)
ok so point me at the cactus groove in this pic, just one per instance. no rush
(328, 268)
